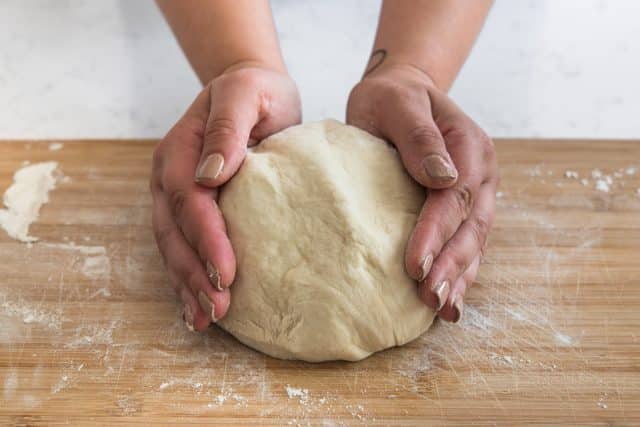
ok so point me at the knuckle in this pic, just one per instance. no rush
(458, 263)
(462, 199)
(163, 235)
(480, 226)
(222, 128)
(177, 200)
(193, 279)
(424, 134)
(459, 130)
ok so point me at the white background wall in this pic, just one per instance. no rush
(72, 68)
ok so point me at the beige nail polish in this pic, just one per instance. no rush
(214, 276)
(441, 290)
(207, 305)
(458, 306)
(425, 267)
(210, 168)
(438, 168)
(188, 317)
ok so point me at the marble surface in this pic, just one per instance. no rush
(72, 68)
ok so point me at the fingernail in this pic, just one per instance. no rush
(207, 305)
(188, 317)
(425, 267)
(438, 168)
(214, 276)
(458, 306)
(441, 290)
(210, 168)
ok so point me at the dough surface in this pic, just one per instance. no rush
(319, 216)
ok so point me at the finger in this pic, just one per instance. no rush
(185, 268)
(234, 112)
(465, 245)
(454, 308)
(165, 236)
(196, 214)
(241, 114)
(440, 217)
(424, 154)
(444, 211)
(421, 146)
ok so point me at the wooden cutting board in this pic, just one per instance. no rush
(90, 332)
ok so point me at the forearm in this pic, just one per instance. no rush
(434, 36)
(217, 35)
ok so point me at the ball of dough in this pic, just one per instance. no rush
(319, 216)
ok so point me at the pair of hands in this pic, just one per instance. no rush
(441, 148)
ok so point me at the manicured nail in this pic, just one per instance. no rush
(458, 306)
(188, 317)
(425, 267)
(441, 290)
(438, 168)
(207, 305)
(210, 168)
(214, 276)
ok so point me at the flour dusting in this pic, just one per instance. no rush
(29, 314)
(301, 393)
(10, 384)
(563, 339)
(23, 199)
(96, 265)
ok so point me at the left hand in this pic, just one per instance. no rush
(447, 153)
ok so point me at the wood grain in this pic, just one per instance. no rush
(90, 332)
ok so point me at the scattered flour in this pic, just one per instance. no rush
(60, 385)
(10, 384)
(30, 314)
(301, 393)
(563, 339)
(55, 146)
(102, 291)
(603, 185)
(569, 174)
(23, 199)
(96, 265)
(88, 335)
(601, 402)
(126, 406)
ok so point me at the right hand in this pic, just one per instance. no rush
(204, 149)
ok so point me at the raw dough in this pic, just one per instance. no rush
(319, 216)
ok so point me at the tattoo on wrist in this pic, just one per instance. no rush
(375, 60)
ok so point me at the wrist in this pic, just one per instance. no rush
(275, 65)
(382, 63)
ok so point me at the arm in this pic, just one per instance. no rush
(248, 96)
(222, 34)
(434, 36)
(419, 48)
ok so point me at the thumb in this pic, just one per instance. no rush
(422, 149)
(234, 111)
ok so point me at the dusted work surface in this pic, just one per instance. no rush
(90, 331)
